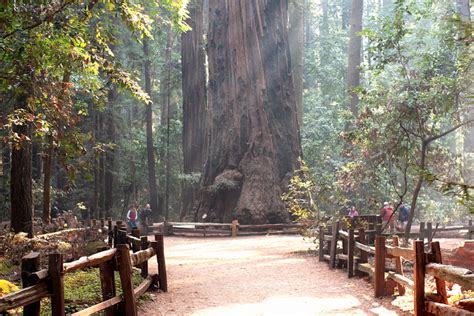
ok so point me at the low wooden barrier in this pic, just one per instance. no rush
(224, 229)
(38, 284)
(355, 252)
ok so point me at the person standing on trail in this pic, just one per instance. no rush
(386, 212)
(132, 216)
(145, 218)
(403, 216)
(353, 212)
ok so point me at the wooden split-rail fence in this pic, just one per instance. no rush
(233, 229)
(354, 254)
(41, 283)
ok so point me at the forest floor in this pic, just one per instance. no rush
(265, 275)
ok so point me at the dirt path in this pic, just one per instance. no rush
(269, 275)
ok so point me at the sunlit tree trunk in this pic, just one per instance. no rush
(21, 194)
(193, 72)
(254, 137)
(296, 41)
(109, 159)
(152, 186)
(354, 53)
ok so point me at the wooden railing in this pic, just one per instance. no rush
(38, 284)
(354, 255)
(224, 229)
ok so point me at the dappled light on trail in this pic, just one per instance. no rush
(269, 275)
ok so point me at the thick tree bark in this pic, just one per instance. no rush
(21, 194)
(296, 41)
(152, 187)
(354, 53)
(254, 133)
(109, 159)
(193, 72)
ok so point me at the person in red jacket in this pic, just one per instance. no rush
(386, 212)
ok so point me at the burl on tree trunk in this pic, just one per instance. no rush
(254, 138)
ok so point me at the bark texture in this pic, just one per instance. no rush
(254, 134)
(194, 100)
(296, 40)
(152, 186)
(354, 53)
(21, 194)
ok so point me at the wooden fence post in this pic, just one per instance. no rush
(160, 257)
(429, 231)
(379, 274)
(333, 250)
(144, 266)
(235, 228)
(110, 232)
(107, 284)
(125, 271)
(135, 233)
(29, 264)
(321, 243)
(56, 284)
(363, 254)
(419, 277)
(440, 283)
(398, 266)
(350, 253)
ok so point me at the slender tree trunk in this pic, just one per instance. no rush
(95, 198)
(254, 136)
(37, 159)
(354, 53)
(152, 187)
(416, 192)
(21, 194)
(193, 73)
(101, 209)
(48, 168)
(296, 42)
(109, 159)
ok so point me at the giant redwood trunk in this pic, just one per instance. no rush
(296, 40)
(254, 135)
(193, 56)
(21, 194)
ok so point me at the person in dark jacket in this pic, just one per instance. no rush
(403, 216)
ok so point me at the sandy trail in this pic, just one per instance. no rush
(269, 275)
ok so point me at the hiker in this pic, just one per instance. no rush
(386, 212)
(132, 217)
(145, 219)
(403, 216)
(353, 212)
(54, 211)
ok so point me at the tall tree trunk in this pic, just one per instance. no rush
(309, 36)
(21, 194)
(296, 41)
(254, 136)
(37, 160)
(346, 13)
(109, 159)
(95, 198)
(100, 212)
(152, 187)
(48, 168)
(324, 53)
(354, 53)
(166, 115)
(193, 56)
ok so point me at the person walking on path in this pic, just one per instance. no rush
(353, 212)
(132, 217)
(403, 216)
(145, 219)
(386, 212)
